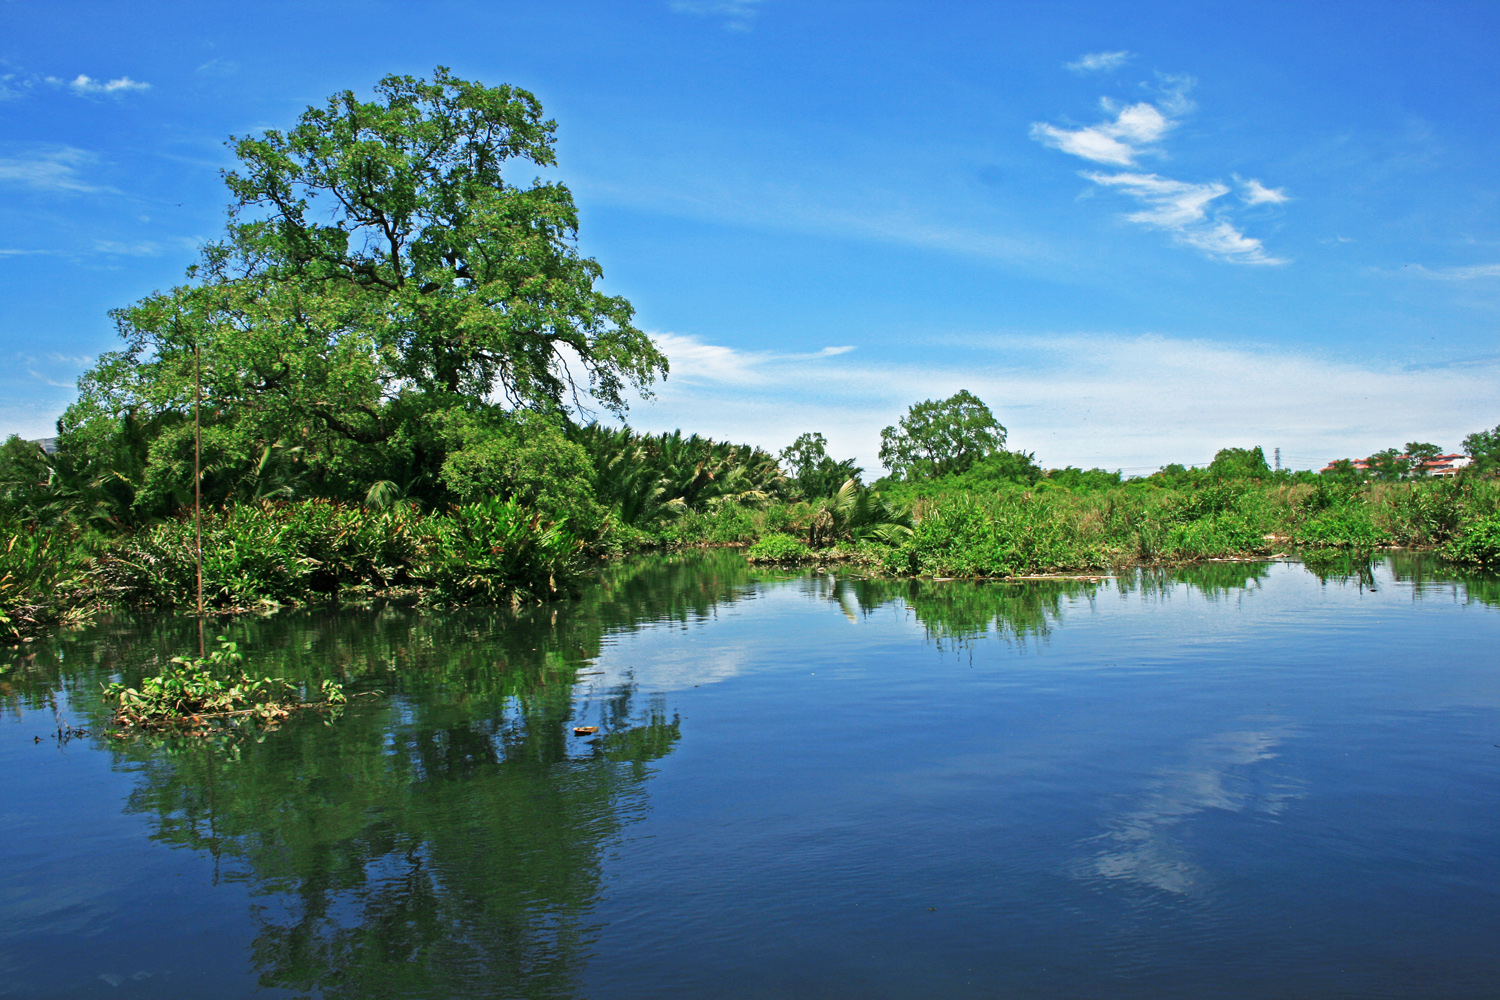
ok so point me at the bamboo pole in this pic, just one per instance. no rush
(198, 485)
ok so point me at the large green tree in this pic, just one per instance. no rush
(380, 267)
(1483, 449)
(941, 437)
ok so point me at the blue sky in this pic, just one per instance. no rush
(1140, 232)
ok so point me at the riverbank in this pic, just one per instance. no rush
(263, 556)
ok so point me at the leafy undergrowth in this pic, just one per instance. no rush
(778, 548)
(267, 555)
(1477, 544)
(199, 696)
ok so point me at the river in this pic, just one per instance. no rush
(1230, 781)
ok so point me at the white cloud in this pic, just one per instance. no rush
(52, 382)
(1135, 403)
(51, 170)
(737, 14)
(1181, 208)
(1118, 142)
(1253, 192)
(1099, 62)
(82, 84)
(1172, 203)
(697, 363)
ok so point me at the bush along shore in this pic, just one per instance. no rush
(385, 399)
(262, 555)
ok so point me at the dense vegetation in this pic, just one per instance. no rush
(380, 379)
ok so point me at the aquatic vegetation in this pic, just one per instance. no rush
(211, 692)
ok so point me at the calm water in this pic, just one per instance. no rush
(1239, 781)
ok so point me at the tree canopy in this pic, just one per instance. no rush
(379, 268)
(813, 471)
(940, 437)
(1483, 449)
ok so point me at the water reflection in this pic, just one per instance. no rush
(1145, 840)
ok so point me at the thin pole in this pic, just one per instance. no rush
(198, 484)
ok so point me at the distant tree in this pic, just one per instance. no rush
(1420, 452)
(1483, 449)
(813, 472)
(1240, 463)
(1389, 465)
(941, 437)
(1343, 471)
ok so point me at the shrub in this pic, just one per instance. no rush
(1478, 544)
(779, 548)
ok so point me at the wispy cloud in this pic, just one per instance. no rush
(1100, 62)
(51, 170)
(1182, 209)
(737, 14)
(218, 67)
(126, 249)
(48, 381)
(1186, 209)
(1253, 192)
(1081, 399)
(82, 84)
(1465, 273)
(697, 363)
(12, 85)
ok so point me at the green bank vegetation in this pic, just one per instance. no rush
(385, 379)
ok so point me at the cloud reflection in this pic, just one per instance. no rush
(1142, 844)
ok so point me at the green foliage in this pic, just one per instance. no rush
(398, 213)
(647, 479)
(1002, 534)
(495, 551)
(1083, 479)
(378, 272)
(1341, 527)
(941, 437)
(272, 554)
(1483, 449)
(197, 694)
(1389, 465)
(521, 456)
(1343, 471)
(778, 548)
(813, 472)
(1478, 544)
(41, 581)
(1240, 463)
(856, 513)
